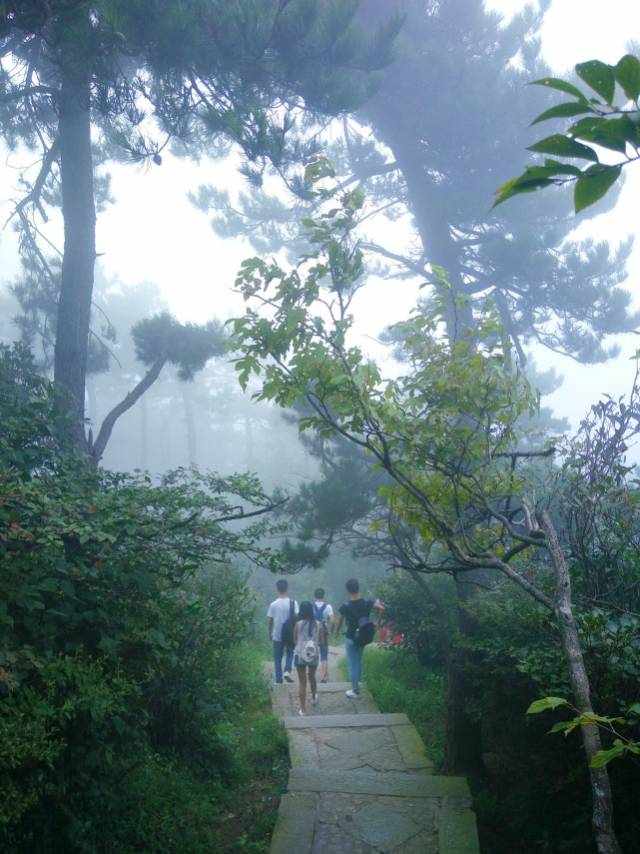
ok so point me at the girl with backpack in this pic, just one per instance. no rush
(308, 635)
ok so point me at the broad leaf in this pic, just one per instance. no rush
(546, 703)
(602, 757)
(627, 73)
(599, 76)
(563, 111)
(593, 185)
(561, 86)
(564, 146)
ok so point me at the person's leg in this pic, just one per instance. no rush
(302, 688)
(277, 661)
(288, 660)
(324, 662)
(348, 646)
(313, 685)
(357, 667)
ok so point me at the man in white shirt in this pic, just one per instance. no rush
(323, 612)
(281, 615)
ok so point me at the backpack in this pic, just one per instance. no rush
(309, 650)
(318, 612)
(365, 631)
(287, 627)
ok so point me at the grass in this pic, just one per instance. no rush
(399, 683)
(263, 761)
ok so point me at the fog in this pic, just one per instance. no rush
(157, 252)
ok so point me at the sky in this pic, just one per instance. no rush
(153, 233)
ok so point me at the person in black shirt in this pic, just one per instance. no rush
(352, 612)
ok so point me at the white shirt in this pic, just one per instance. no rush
(327, 614)
(278, 611)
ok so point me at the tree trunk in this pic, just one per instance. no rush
(191, 424)
(97, 449)
(463, 747)
(602, 817)
(79, 215)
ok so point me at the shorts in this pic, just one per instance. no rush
(298, 663)
(324, 651)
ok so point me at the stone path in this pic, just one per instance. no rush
(361, 782)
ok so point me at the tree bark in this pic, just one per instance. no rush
(190, 424)
(79, 215)
(602, 816)
(106, 428)
(463, 747)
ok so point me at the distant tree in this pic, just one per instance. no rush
(128, 77)
(604, 124)
(447, 120)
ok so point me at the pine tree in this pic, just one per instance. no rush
(129, 77)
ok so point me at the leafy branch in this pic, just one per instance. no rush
(604, 124)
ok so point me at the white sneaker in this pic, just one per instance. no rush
(288, 677)
(301, 713)
(352, 695)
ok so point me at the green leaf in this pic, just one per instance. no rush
(546, 703)
(563, 111)
(599, 76)
(560, 85)
(627, 73)
(564, 726)
(603, 757)
(593, 185)
(563, 146)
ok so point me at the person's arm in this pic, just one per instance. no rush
(338, 625)
(379, 607)
(270, 622)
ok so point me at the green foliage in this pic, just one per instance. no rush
(188, 346)
(614, 127)
(622, 745)
(119, 609)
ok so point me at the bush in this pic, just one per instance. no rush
(119, 609)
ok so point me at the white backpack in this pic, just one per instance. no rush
(308, 646)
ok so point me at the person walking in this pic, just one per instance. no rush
(281, 615)
(360, 631)
(323, 612)
(309, 634)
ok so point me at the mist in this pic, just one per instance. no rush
(282, 295)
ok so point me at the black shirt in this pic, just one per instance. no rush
(354, 610)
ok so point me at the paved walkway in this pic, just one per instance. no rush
(361, 782)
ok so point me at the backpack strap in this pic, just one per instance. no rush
(319, 611)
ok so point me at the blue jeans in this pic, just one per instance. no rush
(278, 650)
(354, 662)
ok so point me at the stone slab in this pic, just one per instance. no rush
(411, 747)
(457, 832)
(295, 825)
(340, 721)
(365, 782)
(374, 824)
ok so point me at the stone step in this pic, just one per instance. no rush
(391, 784)
(340, 721)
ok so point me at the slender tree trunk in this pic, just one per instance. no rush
(79, 215)
(191, 424)
(602, 817)
(144, 434)
(97, 449)
(463, 747)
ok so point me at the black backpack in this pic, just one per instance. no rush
(365, 630)
(287, 627)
